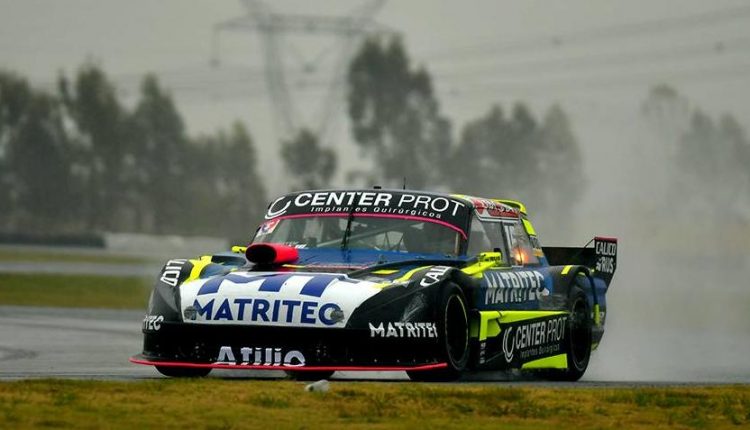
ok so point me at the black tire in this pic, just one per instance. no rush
(579, 339)
(309, 376)
(453, 335)
(184, 372)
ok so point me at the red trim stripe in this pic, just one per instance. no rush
(606, 239)
(294, 368)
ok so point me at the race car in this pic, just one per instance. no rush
(433, 284)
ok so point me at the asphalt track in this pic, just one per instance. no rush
(39, 342)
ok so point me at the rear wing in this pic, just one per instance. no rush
(601, 258)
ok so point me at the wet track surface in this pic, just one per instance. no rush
(79, 268)
(38, 342)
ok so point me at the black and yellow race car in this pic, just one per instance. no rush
(432, 284)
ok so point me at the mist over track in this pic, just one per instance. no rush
(40, 342)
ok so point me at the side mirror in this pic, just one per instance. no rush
(493, 258)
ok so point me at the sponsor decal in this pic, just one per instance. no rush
(606, 252)
(606, 248)
(534, 339)
(268, 227)
(434, 275)
(275, 209)
(171, 273)
(488, 209)
(263, 310)
(513, 286)
(261, 357)
(404, 330)
(260, 309)
(374, 202)
(152, 322)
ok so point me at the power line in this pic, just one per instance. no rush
(634, 59)
(577, 83)
(609, 59)
(598, 34)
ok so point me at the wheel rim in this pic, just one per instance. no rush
(580, 335)
(456, 333)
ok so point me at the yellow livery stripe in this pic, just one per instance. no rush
(559, 361)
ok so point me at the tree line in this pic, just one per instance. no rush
(403, 137)
(709, 158)
(77, 160)
(396, 121)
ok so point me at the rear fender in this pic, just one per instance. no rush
(567, 278)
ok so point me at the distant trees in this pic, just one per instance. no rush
(79, 161)
(309, 164)
(396, 122)
(520, 158)
(35, 159)
(160, 161)
(229, 192)
(713, 158)
(98, 144)
(709, 157)
(395, 117)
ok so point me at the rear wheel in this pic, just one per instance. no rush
(184, 372)
(309, 376)
(579, 340)
(453, 335)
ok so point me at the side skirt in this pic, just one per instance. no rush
(502, 340)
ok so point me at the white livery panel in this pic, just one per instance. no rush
(274, 299)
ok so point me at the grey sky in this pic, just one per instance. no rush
(480, 52)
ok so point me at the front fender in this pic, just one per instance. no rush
(414, 299)
(164, 302)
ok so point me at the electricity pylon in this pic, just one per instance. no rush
(349, 32)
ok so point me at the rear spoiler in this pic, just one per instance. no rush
(601, 258)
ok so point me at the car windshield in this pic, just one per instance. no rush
(366, 233)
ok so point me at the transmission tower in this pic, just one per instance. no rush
(348, 31)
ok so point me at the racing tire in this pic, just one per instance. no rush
(578, 345)
(453, 337)
(309, 376)
(183, 372)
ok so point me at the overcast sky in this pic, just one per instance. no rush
(596, 58)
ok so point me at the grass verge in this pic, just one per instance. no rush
(238, 404)
(80, 291)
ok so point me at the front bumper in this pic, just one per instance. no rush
(282, 348)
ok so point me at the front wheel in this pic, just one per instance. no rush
(183, 372)
(453, 336)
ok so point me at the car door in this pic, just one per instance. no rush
(523, 279)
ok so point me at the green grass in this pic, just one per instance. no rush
(34, 256)
(83, 291)
(238, 404)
